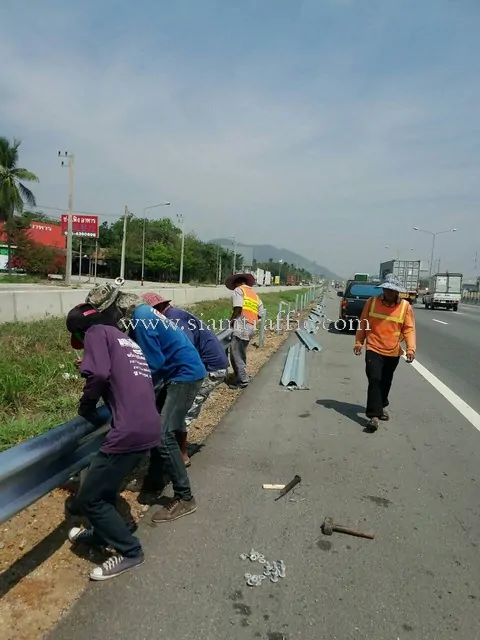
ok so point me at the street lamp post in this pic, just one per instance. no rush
(234, 265)
(153, 206)
(434, 235)
(70, 165)
(181, 221)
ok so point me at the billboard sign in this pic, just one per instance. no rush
(82, 226)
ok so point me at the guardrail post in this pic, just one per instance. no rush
(296, 302)
(261, 333)
(289, 311)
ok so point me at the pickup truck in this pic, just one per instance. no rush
(353, 301)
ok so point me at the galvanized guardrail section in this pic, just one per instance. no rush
(294, 375)
(34, 468)
(470, 297)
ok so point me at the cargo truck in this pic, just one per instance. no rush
(407, 272)
(361, 277)
(444, 291)
(268, 279)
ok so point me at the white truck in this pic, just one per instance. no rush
(444, 291)
(268, 279)
(259, 277)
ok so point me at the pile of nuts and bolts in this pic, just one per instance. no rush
(273, 570)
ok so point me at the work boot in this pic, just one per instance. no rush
(176, 508)
(182, 443)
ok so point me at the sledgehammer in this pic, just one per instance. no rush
(328, 527)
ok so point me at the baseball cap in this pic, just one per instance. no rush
(153, 299)
(79, 319)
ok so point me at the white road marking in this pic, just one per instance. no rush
(460, 405)
(440, 321)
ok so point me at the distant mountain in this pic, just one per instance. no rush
(265, 252)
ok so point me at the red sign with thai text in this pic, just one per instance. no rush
(82, 226)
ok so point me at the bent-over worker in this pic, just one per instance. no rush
(247, 310)
(209, 348)
(386, 322)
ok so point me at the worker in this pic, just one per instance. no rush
(210, 350)
(247, 310)
(177, 373)
(386, 321)
(115, 369)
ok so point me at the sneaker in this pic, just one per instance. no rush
(115, 566)
(175, 509)
(78, 535)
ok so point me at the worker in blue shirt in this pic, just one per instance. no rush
(208, 346)
(178, 370)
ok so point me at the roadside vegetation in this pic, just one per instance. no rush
(39, 385)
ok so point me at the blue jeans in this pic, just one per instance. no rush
(173, 402)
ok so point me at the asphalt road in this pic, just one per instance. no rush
(449, 346)
(415, 483)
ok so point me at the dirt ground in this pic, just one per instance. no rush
(40, 575)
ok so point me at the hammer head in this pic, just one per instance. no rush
(327, 526)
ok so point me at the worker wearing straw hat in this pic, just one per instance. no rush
(247, 310)
(386, 321)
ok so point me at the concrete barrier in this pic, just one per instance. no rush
(37, 304)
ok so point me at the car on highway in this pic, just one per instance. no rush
(353, 300)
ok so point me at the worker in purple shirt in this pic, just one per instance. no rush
(115, 369)
(209, 348)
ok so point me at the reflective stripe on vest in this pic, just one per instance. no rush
(382, 316)
(250, 304)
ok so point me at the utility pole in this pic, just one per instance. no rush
(71, 171)
(181, 220)
(234, 264)
(124, 242)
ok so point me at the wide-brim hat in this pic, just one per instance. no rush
(232, 278)
(392, 283)
(154, 299)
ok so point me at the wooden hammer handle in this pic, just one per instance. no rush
(352, 532)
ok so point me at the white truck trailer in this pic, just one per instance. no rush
(268, 278)
(444, 291)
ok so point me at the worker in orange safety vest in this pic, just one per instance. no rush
(247, 310)
(386, 322)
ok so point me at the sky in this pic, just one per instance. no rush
(328, 127)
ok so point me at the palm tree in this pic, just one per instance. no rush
(13, 193)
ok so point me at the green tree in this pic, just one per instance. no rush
(13, 192)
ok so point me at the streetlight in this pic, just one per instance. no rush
(70, 165)
(153, 206)
(280, 271)
(234, 266)
(434, 235)
(181, 221)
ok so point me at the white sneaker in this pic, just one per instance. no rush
(78, 535)
(115, 566)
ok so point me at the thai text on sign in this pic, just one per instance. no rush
(82, 226)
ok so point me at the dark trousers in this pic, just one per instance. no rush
(238, 359)
(97, 500)
(379, 370)
(173, 402)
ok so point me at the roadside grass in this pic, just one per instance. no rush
(39, 385)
